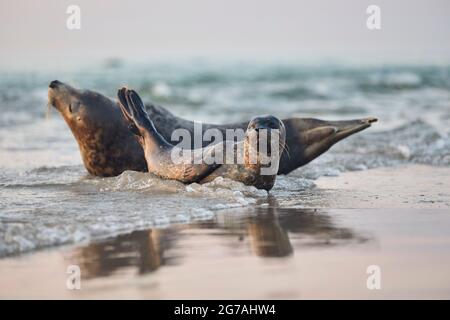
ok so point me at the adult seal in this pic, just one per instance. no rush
(159, 153)
(108, 147)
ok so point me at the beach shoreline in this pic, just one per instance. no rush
(406, 186)
(393, 217)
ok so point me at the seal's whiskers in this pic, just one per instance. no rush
(48, 111)
(284, 147)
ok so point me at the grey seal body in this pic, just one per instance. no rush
(159, 153)
(108, 147)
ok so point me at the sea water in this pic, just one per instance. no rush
(47, 198)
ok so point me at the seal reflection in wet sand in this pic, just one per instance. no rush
(108, 148)
(261, 130)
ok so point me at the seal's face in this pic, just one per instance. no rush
(81, 109)
(107, 146)
(263, 145)
(268, 128)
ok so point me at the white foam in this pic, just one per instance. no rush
(161, 89)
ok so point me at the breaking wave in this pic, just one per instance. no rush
(47, 198)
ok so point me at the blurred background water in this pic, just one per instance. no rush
(47, 198)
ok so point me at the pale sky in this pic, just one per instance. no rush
(34, 34)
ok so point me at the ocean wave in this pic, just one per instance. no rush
(298, 93)
(391, 81)
(135, 181)
(43, 177)
(415, 142)
(45, 201)
(132, 201)
(234, 193)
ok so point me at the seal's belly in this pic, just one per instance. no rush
(250, 176)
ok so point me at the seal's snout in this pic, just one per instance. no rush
(55, 84)
(55, 95)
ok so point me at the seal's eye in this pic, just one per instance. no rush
(74, 106)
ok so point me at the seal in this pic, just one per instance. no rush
(159, 153)
(108, 147)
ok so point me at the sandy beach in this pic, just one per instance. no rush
(98, 200)
(409, 187)
(394, 218)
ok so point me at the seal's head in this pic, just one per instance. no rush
(263, 147)
(81, 109)
(267, 130)
(105, 142)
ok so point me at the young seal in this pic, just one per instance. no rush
(108, 148)
(160, 154)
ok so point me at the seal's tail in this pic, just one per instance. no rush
(322, 136)
(134, 112)
(308, 138)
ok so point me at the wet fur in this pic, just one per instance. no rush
(108, 147)
(158, 150)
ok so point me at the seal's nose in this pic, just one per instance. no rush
(55, 84)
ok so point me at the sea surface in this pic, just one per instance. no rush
(48, 199)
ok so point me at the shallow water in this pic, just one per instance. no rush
(252, 253)
(46, 197)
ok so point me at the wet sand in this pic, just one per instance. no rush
(414, 186)
(395, 218)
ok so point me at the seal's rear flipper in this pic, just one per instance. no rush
(347, 128)
(127, 112)
(319, 134)
(134, 112)
(308, 138)
(158, 150)
(320, 139)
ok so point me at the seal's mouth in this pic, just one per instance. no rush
(266, 138)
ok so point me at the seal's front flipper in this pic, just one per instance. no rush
(192, 167)
(196, 172)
